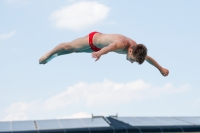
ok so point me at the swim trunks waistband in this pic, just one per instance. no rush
(94, 48)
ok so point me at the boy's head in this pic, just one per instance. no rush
(137, 53)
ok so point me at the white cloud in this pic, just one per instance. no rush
(7, 35)
(106, 93)
(77, 115)
(110, 93)
(20, 110)
(19, 107)
(15, 116)
(79, 15)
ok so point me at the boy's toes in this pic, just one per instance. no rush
(42, 62)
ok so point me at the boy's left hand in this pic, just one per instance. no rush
(164, 71)
(96, 55)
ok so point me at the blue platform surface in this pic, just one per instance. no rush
(101, 124)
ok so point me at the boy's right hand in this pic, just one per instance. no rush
(164, 71)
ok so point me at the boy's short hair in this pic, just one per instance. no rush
(140, 52)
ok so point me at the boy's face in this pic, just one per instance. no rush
(130, 57)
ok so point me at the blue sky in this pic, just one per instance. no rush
(74, 85)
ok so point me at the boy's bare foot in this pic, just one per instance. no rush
(43, 60)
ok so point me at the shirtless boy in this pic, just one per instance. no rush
(99, 44)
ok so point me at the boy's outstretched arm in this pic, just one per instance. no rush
(111, 47)
(163, 71)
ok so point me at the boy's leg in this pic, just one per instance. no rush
(78, 45)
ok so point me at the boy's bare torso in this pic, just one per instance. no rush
(102, 40)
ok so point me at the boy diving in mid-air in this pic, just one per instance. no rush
(99, 44)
